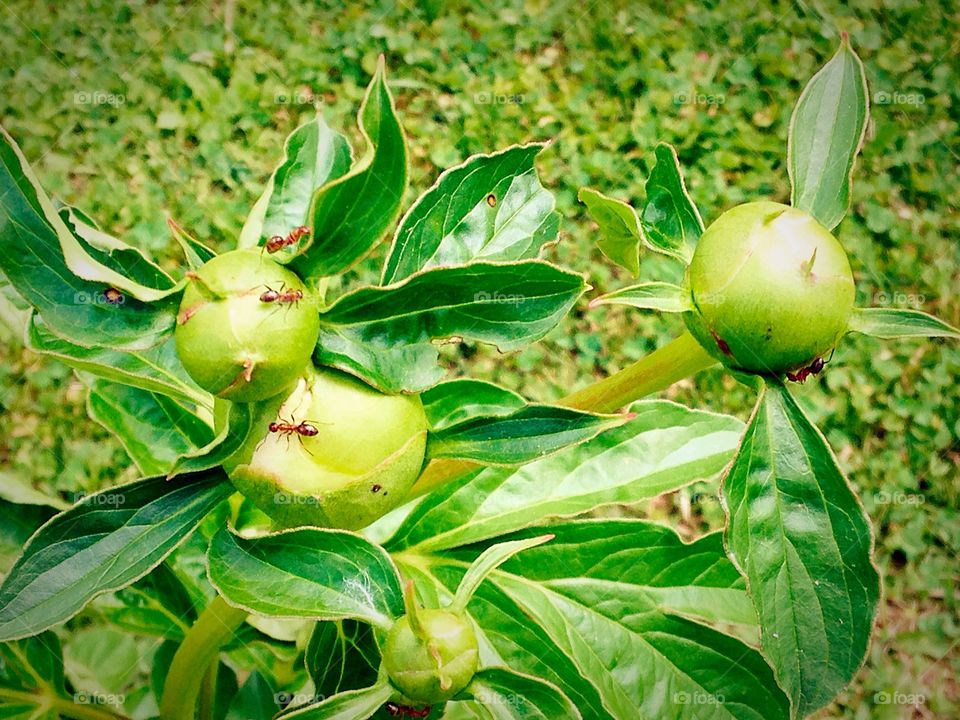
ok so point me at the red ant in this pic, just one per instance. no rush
(278, 242)
(813, 368)
(281, 295)
(300, 429)
(397, 710)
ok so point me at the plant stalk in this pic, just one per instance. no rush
(678, 359)
(675, 361)
(198, 651)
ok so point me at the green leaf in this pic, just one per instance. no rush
(154, 429)
(233, 432)
(491, 207)
(506, 304)
(529, 433)
(307, 573)
(800, 536)
(32, 679)
(100, 661)
(892, 323)
(87, 252)
(352, 705)
(456, 401)
(661, 296)
(157, 605)
(42, 259)
(602, 611)
(195, 252)
(116, 255)
(155, 369)
(503, 694)
(256, 699)
(620, 231)
(664, 447)
(826, 133)
(488, 561)
(313, 156)
(349, 215)
(342, 655)
(670, 220)
(103, 543)
(391, 368)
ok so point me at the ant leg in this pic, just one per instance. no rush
(305, 448)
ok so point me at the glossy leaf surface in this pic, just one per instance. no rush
(491, 207)
(802, 539)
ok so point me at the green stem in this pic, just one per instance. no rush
(208, 692)
(198, 651)
(65, 708)
(675, 361)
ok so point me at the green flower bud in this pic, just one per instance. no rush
(334, 452)
(771, 288)
(432, 658)
(235, 337)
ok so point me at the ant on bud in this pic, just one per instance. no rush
(304, 429)
(281, 296)
(814, 368)
(289, 428)
(396, 710)
(278, 242)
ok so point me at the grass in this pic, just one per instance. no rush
(143, 110)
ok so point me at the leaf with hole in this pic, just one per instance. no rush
(491, 207)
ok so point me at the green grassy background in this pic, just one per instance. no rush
(141, 111)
